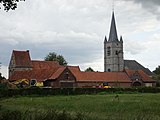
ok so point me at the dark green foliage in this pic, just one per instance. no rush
(89, 69)
(157, 70)
(3, 86)
(157, 76)
(2, 77)
(52, 56)
(158, 83)
(9, 4)
(73, 91)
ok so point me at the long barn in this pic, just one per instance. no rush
(51, 74)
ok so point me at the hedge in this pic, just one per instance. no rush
(73, 91)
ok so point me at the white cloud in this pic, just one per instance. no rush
(134, 47)
(4, 71)
(76, 30)
(96, 65)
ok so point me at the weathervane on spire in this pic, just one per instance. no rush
(113, 5)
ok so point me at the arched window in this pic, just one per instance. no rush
(136, 84)
(109, 51)
(116, 52)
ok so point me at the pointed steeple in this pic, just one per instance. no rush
(121, 39)
(113, 31)
(105, 39)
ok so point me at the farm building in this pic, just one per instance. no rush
(51, 74)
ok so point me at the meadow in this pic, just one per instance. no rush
(139, 106)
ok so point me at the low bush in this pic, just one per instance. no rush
(3, 86)
(73, 91)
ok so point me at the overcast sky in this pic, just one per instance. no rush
(76, 30)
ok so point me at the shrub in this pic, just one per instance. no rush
(73, 91)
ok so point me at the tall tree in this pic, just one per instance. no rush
(89, 69)
(9, 4)
(2, 77)
(52, 56)
(157, 75)
(157, 70)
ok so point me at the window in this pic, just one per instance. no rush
(137, 84)
(66, 75)
(33, 83)
(105, 84)
(116, 52)
(108, 51)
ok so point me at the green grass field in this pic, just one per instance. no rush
(93, 107)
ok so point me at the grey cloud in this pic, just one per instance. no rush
(72, 28)
(148, 2)
(150, 5)
(134, 47)
(76, 47)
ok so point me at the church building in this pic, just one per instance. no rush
(113, 50)
(117, 71)
(113, 53)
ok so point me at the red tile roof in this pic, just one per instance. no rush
(62, 68)
(44, 64)
(41, 74)
(99, 76)
(103, 76)
(38, 74)
(57, 73)
(45, 70)
(145, 77)
(22, 58)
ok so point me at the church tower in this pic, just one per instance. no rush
(113, 50)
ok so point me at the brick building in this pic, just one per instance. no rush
(54, 75)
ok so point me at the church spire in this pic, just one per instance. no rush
(105, 39)
(113, 31)
(113, 49)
